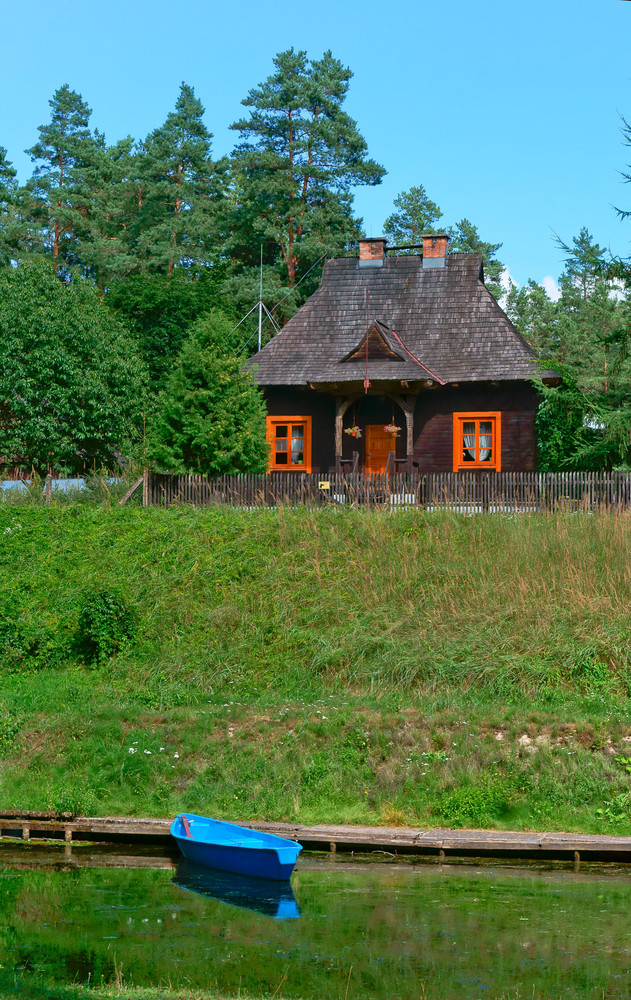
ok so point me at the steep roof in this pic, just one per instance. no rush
(444, 317)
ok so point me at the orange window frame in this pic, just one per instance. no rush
(495, 419)
(289, 421)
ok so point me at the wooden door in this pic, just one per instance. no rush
(379, 444)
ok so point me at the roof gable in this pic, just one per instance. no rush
(375, 344)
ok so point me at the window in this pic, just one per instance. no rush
(477, 441)
(290, 444)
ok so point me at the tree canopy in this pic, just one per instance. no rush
(71, 386)
(585, 422)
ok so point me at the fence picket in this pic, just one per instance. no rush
(511, 492)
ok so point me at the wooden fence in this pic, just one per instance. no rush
(504, 492)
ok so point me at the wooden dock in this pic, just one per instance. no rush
(438, 843)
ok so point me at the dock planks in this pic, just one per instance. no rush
(361, 839)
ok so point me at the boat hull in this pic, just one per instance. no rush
(231, 848)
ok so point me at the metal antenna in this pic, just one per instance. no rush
(261, 297)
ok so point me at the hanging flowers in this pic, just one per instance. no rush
(354, 431)
(392, 429)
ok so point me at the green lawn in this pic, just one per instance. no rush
(327, 665)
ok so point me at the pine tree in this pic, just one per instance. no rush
(585, 263)
(585, 421)
(60, 195)
(180, 188)
(535, 316)
(211, 417)
(294, 170)
(106, 248)
(415, 214)
(464, 238)
(8, 191)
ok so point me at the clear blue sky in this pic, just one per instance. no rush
(507, 112)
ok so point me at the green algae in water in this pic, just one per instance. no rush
(454, 932)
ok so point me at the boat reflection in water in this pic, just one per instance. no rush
(268, 896)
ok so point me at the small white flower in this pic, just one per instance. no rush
(148, 751)
(162, 748)
(132, 750)
(176, 755)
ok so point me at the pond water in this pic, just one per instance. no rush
(343, 929)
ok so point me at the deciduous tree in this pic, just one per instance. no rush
(71, 386)
(159, 314)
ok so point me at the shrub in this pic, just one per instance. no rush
(106, 624)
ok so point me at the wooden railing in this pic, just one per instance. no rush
(503, 492)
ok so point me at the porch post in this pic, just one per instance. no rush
(341, 406)
(407, 405)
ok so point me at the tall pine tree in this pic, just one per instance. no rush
(415, 214)
(8, 190)
(59, 193)
(295, 168)
(179, 191)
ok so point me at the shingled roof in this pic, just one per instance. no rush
(445, 317)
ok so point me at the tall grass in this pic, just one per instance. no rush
(496, 622)
(295, 599)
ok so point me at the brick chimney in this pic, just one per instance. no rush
(372, 252)
(435, 249)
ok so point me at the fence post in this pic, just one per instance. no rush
(145, 488)
(48, 488)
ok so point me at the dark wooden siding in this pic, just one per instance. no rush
(306, 403)
(433, 424)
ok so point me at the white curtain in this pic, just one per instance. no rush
(486, 440)
(468, 440)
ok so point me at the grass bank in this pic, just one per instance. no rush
(341, 666)
(32, 988)
(29, 988)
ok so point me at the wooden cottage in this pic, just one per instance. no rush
(400, 362)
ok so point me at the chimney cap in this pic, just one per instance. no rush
(435, 249)
(372, 250)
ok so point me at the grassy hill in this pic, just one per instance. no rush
(329, 665)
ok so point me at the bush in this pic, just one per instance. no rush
(106, 624)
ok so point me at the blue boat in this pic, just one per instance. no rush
(232, 848)
(262, 895)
